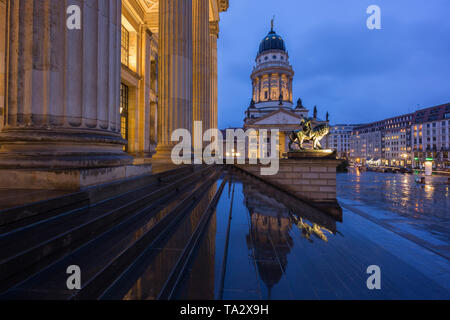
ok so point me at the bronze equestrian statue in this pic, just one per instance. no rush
(307, 133)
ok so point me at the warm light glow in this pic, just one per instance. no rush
(428, 168)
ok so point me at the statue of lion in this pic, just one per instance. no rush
(309, 134)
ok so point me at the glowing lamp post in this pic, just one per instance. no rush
(405, 157)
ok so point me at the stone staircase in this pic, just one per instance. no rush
(112, 233)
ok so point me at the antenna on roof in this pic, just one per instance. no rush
(271, 23)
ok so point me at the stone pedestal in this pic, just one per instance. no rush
(309, 174)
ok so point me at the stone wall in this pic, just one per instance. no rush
(312, 179)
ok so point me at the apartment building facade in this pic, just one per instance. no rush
(386, 142)
(339, 139)
(408, 140)
(431, 137)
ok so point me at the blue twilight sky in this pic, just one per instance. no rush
(358, 75)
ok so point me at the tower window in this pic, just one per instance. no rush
(274, 57)
(266, 95)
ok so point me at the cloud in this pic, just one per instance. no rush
(356, 74)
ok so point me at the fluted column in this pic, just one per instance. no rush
(175, 72)
(260, 81)
(280, 89)
(213, 36)
(63, 85)
(201, 74)
(290, 89)
(2, 59)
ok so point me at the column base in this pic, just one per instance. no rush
(67, 179)
(163, 153)
(61, 149)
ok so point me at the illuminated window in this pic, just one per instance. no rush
(124, 112)
(125, 46)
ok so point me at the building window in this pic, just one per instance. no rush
(125, 46)
(124, 111)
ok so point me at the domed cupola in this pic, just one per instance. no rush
(272, 74)
(272, 42)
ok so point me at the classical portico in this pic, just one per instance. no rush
(82, 108)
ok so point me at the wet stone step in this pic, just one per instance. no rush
(155, 264)
(107, 215)
(96, 255)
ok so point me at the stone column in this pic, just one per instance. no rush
(280, 89)
(270, 87)
(201, 74)
(2, 59)
(62, 104)
(213, 36)
(174, 72)
(260, 86)
(290, 90)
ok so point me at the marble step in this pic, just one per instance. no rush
(159, 268)
(29, 250)
(112, 251)
(178, 273)
(15, 218)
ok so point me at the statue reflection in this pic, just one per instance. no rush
(308, 231)
(272, 218)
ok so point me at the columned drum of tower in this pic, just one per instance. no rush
(272, 75)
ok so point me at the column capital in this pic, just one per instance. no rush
(223, 5)
(214, 28)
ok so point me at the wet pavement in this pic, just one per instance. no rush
(262, 243)
(418, 212)
(269, 251)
